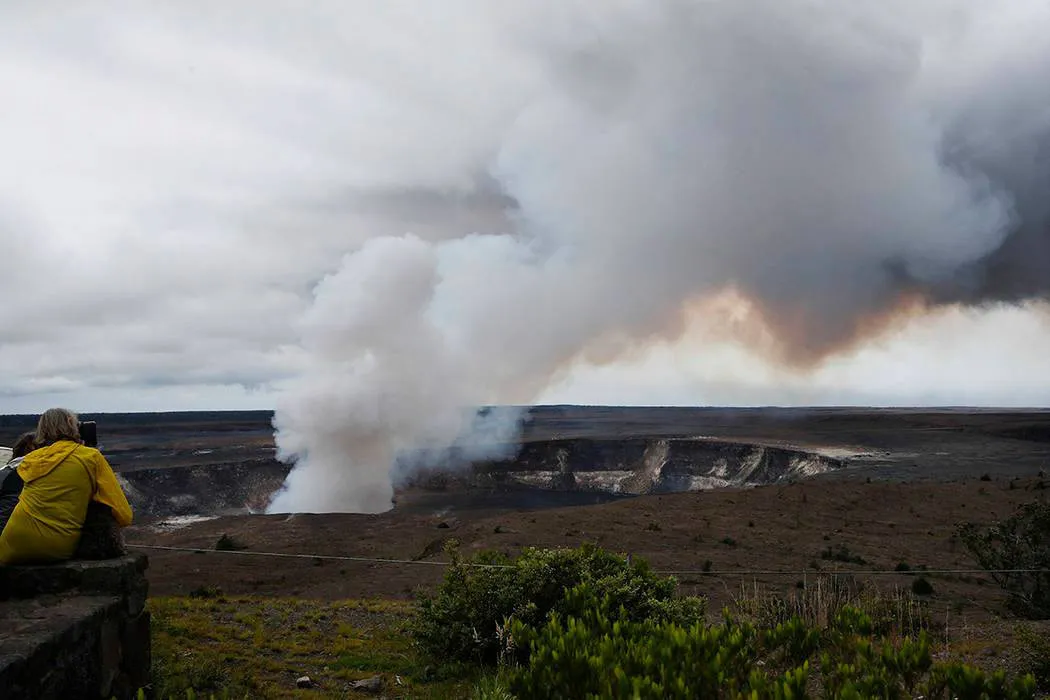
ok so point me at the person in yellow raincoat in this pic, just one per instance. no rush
(61, 477)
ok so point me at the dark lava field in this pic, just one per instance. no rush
(222, 463)
(733, 491)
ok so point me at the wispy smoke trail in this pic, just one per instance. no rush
(830, 163)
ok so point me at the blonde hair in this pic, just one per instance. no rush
(57, 424)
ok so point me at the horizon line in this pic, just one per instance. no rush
(708, 407)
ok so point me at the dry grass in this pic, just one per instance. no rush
(252, 647)
(1004, 643)
(887, 525)
(894, 613)
(794, 525)
(257, 648)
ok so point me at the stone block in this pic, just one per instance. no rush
(138, 652)
(136, 597)
(109, 654)
(76, 629)
(106, 576)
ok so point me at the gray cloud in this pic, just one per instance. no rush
(381, 214)
(176, 183)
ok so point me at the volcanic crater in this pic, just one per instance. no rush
(223, 463)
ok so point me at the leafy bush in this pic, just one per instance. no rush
(206, 592)
(842, 554)
(225, 543)
(594, 652)
(921, 586)
(790, 643)
(1016, 554)
(466, 621)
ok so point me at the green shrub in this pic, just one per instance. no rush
(595, 653)
(842, 554)
(1016, 554)
(491, 687)
(921, 586)
(466, 620)
(790, 643)
(956, 680)
(190, 694)
(225, 543)
(592, 653)
(206, 592)
(1033, 651)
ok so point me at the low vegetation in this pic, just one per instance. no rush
(225, 543)
(1033, 650)
(466, 620)
(257, 648)
(921, 586)
(842, 554)
(584, 653)
(1016, 553)
(607, 627)
(821, 599)
(588, 623)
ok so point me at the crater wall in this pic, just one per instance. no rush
(632, 466)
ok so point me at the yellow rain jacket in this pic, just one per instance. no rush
(60, 480)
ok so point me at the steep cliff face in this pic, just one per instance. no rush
(214, 489)
(634, 466)
(212, 463)
(617, 467)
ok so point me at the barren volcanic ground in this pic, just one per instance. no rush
(784, 486)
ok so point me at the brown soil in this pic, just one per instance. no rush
(741, 532)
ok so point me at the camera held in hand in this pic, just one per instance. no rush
(88, 432)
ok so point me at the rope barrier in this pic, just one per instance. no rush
(330, 557)
(678, 572)
(860, 572)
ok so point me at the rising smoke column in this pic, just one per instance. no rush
(389, 375)
(830, 163)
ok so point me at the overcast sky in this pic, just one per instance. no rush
(176, 179)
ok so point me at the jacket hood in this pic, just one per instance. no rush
(40, 462)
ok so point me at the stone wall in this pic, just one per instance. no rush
(74, 630)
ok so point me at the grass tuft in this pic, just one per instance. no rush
(257, 648)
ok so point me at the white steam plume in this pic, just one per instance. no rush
(826, 161)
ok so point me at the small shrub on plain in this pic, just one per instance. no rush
(466, 620)
(1016, 553)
